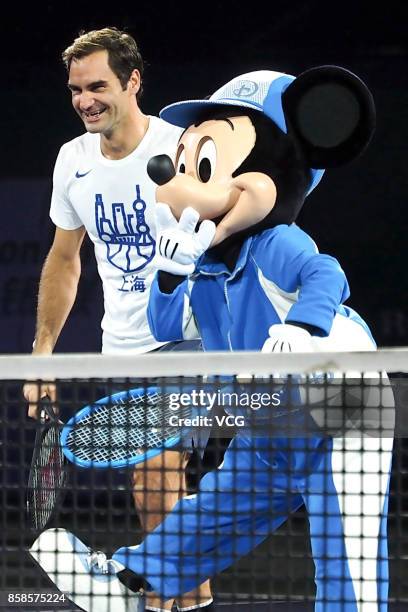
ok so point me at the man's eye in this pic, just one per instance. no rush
(207, 161)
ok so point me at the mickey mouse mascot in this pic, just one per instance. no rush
(235, 268)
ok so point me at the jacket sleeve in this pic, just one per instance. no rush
(169, 314)
(316, 282)
(322, 288)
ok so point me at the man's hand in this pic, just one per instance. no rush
(178, 244)
(34, 392)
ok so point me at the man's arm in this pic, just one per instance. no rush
(57, 292)
(58, 287)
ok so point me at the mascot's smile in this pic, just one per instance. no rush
(207, 156)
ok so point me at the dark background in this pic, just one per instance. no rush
(358, 212)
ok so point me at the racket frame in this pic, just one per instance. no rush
(121, 463)
(47, 419)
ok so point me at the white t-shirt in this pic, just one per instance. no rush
(114, 201)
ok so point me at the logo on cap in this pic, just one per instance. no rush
(246, 89)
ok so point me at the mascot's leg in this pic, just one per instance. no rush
(347, 502)
(347, 498)
(237, 507)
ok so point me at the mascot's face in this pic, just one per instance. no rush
(250, 166)
(207, 156)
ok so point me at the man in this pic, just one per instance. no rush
(101, 188)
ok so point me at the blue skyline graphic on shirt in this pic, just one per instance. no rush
(126, 235)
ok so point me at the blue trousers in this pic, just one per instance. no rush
(344, 486)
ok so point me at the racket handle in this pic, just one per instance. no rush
(45, 409)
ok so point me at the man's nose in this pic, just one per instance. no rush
(86, 100)
(160, 169)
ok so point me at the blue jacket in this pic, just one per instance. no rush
(279, 276)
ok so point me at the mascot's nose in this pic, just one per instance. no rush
(160, 169)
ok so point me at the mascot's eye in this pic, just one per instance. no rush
(181, 163)
(206, 161)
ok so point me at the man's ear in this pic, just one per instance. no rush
(331, 113)
(135, 81)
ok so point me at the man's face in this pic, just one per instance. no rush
(97, 94)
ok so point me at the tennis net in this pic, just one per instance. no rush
(283, 480)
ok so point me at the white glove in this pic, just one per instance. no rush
(283, 339)
(292, 339)
(178, 244)
(288, 339)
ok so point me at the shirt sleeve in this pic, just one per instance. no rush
(62, 212)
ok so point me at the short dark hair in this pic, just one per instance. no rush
(123, 53)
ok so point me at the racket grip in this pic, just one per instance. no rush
(45, 410)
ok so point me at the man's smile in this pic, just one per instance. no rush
(93, 115)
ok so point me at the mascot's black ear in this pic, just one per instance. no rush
(331, 113)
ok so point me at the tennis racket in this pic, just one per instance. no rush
(48, 473)
(124, 429)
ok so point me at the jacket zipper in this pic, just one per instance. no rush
(226, 295)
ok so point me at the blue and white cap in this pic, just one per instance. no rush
(260, 90)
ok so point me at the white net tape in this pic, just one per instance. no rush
(85, 366)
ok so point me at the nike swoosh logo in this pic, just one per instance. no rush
(79, 175)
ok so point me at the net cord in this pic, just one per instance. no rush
(90, 365)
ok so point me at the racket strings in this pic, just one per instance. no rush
(124, 428)
(47, 478)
